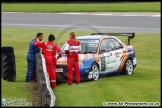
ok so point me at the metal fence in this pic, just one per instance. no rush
(47, 97)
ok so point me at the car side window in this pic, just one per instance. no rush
(114, 43)
(104, 47)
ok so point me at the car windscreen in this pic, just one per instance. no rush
(87, 46)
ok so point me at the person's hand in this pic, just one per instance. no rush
(38, 40)
(59, 56)
(40, 52)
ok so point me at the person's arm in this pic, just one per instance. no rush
(58, 51)
(38, 44)
(36, 49)
(79, 48)
(67, 47)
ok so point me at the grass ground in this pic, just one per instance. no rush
(139, 87)
(82, 7)
(142, 86)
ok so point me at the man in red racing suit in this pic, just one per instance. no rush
(72, 49)
(49, 51)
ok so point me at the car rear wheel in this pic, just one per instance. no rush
(128, 68)
(95, 71)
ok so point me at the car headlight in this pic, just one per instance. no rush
(81, 64)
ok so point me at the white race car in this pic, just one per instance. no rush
(101, 54)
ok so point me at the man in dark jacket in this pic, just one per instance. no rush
(31, 58)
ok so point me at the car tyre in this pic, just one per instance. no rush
(95, 71)
(128, 67)
(7, 49)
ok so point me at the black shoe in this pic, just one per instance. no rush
(70, 84)
(76, 83)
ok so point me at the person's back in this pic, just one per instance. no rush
(49, 51)
(49, 48)
(73, 52)
(72, 49)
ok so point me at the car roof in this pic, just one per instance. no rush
(91, 37)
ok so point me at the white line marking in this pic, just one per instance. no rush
(7, 24)
(104, 14)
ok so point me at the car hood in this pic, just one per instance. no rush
(82, 57)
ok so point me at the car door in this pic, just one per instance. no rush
(104, 55)
(115, 54)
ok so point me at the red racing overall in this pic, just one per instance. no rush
(49, 51)
(72, 51)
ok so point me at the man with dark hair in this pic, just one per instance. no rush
(31, 58)
(49, 51)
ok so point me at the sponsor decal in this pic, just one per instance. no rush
(109, 67)
(74, 49)
(59, 69)
(89, 58)
(117, 54)
(111, 61)
(49, 48)
(61, 62)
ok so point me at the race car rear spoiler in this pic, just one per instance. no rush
(129, 35)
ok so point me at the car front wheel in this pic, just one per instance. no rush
(128, 68)
(95, 71)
